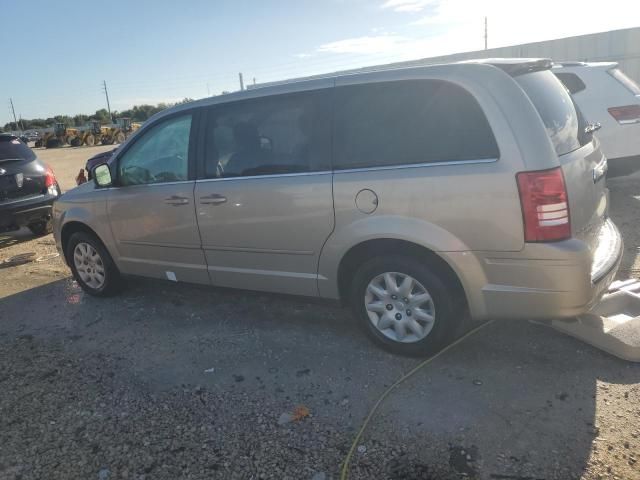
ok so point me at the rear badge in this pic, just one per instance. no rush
(600, 170)
(19, 179)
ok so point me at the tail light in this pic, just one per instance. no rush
(545, 206)
(626, 114)
(50, 182)
(49, 178)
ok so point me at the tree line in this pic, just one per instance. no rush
(137, 113)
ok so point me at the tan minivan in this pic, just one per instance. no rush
(409, 194)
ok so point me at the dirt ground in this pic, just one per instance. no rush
(177, 381)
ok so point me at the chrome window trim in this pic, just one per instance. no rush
(275, 175)
(145, 185)
(350, 170)
(417, 165)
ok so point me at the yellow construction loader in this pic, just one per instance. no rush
(56, 138)
(89, 135)
(118, 132)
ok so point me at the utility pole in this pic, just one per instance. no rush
(254, 80)
(208, 90)
(486, 33)
(241, 81)
(106, 94)
(14, 114)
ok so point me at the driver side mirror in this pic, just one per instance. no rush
(102, 175)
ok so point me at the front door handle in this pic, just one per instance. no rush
(213, 199)
(176, 200)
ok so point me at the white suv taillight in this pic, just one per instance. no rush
(545, 206)
(626, 114)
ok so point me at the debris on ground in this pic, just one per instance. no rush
(297, 414)
(19, 259)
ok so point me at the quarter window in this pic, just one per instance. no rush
(562, 118)
(160, 155)
(572, 81)
(272, 135)
(409, 122)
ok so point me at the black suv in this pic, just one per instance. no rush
(27, 188)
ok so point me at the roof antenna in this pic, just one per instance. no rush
(486, 34)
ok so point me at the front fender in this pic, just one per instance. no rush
(87, 207)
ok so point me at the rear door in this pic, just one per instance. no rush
(264, 201)
(21, 175)
(151, 207)
(583, 164)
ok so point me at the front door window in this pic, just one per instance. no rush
(160, 156)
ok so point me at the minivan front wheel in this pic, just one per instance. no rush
(92, 266)
(403, 305)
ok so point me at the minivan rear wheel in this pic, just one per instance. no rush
(403, 305)
(92, 266)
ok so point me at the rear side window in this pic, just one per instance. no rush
(560, 115)
(409, 122)
(273, 135)
(12, 148)
(572, 81)
(621, 77)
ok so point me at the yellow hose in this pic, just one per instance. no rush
(344, 474)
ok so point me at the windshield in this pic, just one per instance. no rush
(560, 115)
(11, 148)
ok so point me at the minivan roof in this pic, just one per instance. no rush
(606, 65)
(512, 66)
(515, 66)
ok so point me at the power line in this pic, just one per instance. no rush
(331, 64)
(188, 84)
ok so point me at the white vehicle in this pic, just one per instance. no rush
(607, 96)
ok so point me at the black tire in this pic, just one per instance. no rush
(53, 143)
(446, 319)
(113, 282)
(41, 228)
(75, 142)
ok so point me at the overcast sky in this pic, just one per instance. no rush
(56, 54)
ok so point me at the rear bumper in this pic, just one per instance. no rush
(623, 166)
(20, 213)
(544, 280)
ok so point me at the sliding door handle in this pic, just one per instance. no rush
(213, 199)
(176, 200)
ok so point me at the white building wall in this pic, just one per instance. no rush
(621, 46)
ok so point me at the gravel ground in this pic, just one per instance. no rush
(177, 381)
